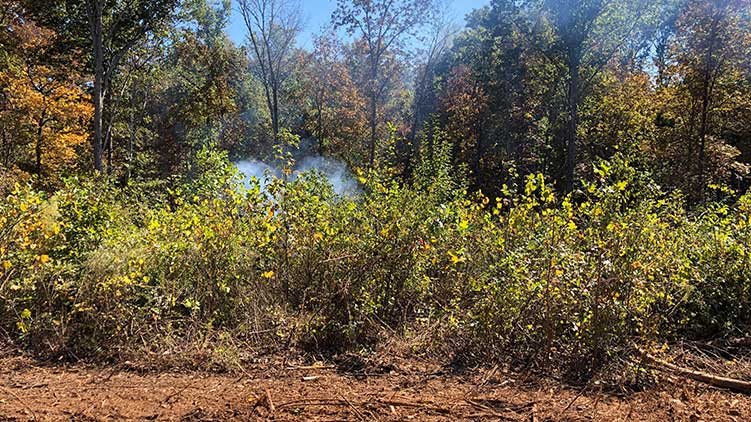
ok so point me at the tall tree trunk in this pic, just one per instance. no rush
(706, 94)
(703, 138)
(95, 21)
(420, 94)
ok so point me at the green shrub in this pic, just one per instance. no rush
(570, 282)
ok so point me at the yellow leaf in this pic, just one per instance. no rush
(455, 259)
(267, 274)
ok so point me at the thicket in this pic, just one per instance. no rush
(98, 271)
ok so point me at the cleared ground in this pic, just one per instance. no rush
(281, 392)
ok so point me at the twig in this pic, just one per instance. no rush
(307, 368)
(354, 409)
(579, 394)
(270, 402)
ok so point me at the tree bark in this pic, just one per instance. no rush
(705, 105)
(95, 21)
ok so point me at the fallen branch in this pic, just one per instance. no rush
(732, 384)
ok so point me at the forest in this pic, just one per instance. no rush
(559, 186)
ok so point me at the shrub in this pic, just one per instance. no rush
(571, 282)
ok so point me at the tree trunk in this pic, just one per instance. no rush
(131, 141)
(705, 104)
(420, 94)
(95, 21)
(703, 139)
(108, 141)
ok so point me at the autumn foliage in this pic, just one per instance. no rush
(45, 113)
(557, 184)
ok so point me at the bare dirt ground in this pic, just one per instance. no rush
(30, 391)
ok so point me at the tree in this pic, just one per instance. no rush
(44, 111)
(498, 58)
(588, 35)
(180, 93)
(337, 116)
(441, 32)
(272, 26)
(713, 39)
(382, 25)
(465, 104)
(115, 28)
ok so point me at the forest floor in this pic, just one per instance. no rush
(279, 391)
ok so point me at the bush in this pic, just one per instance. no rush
(570, 282)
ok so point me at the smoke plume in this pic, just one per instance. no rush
(334, 171)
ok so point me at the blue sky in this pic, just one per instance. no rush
(318, 14)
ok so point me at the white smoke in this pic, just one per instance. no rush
(336, 173)
(254, 169)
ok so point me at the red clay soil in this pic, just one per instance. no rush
(30, 392)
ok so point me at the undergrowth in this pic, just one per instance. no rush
(569, 282)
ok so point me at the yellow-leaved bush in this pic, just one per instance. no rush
(572, 281)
